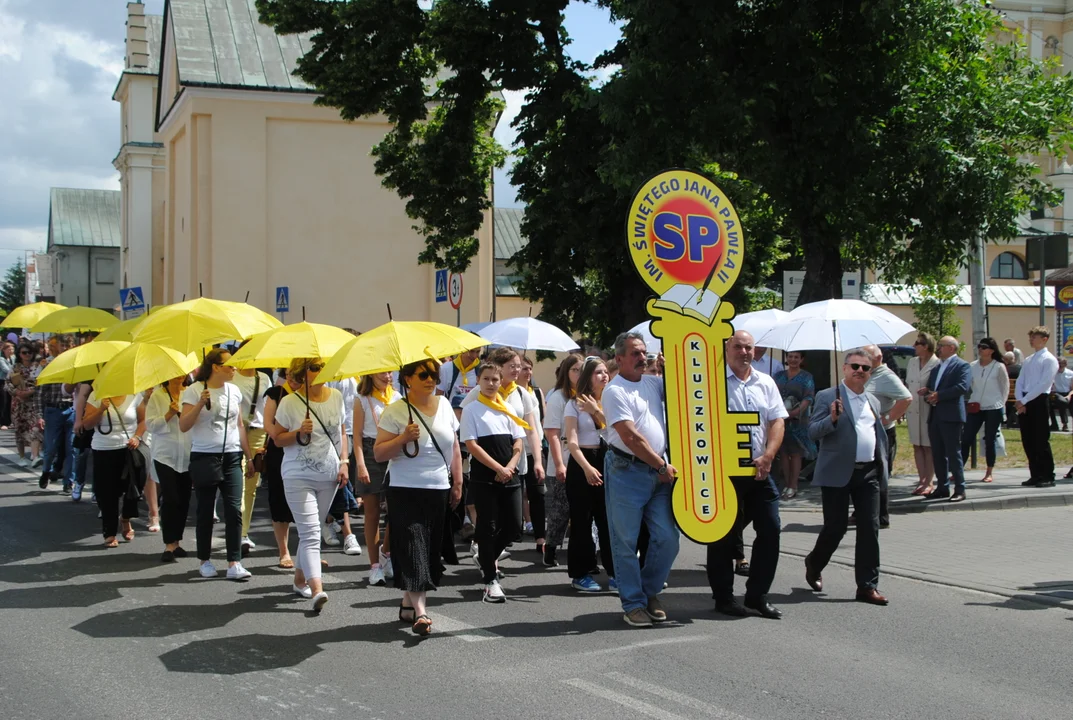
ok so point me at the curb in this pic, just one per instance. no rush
(1009, 502)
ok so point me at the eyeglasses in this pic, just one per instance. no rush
(859, 368)
(423, 374)
(316, 368)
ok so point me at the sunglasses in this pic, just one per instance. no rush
(423, 374)
(25, 352)
(859, 368)
(315, 368)
(918, 343)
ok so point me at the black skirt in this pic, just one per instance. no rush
(272, 477)
(416, 522)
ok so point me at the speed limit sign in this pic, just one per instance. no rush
(454, 290)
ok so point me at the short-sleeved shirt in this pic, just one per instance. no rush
(888, 389)
(758, 393)
(495, 433)
(455, 383)
(427, 471)
(348, 388)
(216, 429)
(373, 409)
(640, 402)
(588, 436)
(123, 421)
(522, 403)
(247, 385)
(319, 460)
(556, 406)
(171, 446)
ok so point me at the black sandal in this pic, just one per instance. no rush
(742, 569)
(404, 609)
(422, 628)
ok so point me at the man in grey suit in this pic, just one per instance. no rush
(851, 464)
(948, 387)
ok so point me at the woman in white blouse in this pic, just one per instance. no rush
(171, 459)
(990, 388)
(119, 423)
(916, 418)
(211, 410)
(253, 384)
(555, 502)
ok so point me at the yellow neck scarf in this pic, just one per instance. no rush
(386, 396)
(497, 403)
(464, 370)
(504, 392)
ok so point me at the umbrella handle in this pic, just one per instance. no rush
(300, 438)
(100, 429)
(410, 410)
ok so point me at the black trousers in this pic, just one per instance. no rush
(175, 489)
(1061, 405)
(534, 492)
(209, 473)
(946, 439)
(884, 488)
(1036, 438)
(758, 503)
(499, 522)
(989, 420)
(586, 506)
(112, 486)
(863, 490)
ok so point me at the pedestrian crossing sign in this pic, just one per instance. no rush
(283, 299)
(441, 286)
(131, 302)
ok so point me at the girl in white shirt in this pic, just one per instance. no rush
(375, 394)
(556, 504)
(314, 466)
(990, 390)
(212, 407)
(171, 459)
(119, 423)
(583, 423)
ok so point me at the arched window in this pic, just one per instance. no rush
(1008, 266)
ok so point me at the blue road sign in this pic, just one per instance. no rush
(441, 286)
(283, 299)
(131, 301)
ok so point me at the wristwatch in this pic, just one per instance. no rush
(663, 468)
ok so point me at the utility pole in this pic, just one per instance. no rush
(977, 268)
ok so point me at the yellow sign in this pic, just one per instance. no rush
(688, 245)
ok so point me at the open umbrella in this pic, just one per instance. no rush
(653, 344)
(276, 348)
(139, 367)
(835, 325)
(760, 322)
(26, 316)
(528, 333)
(75, 320)
(395, 344)
(192, 325)
(125, 330)
(80, 364)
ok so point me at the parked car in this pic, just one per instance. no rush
(896, 357)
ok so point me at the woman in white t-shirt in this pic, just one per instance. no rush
(556, 504)
(171, 459)
(252, 384)
(314, 466)
(419, 440)
(119, 423)
(375, 394)
(212, 407)
(583, 423)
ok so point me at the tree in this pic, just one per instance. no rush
(13, 289)
(934, 304)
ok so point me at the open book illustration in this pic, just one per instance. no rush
(689, 300)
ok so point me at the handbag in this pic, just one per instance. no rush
(972, 408)
(134, 470)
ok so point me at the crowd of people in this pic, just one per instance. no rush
(470, 449)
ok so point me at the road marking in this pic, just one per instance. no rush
(624, 700)
(673, 696)
(443, 625)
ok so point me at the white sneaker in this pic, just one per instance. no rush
(37, 462)
(493, 593)
(328, 535)
(319, 600)
(24, 462)
(207, 569)
(385, 563)
(473, 550)
(303, 591)
(248, 545)
(238, 573)
(351, 545)
(503, 556)
(376, 575)
(337, 526)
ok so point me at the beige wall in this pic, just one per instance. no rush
(1004, 322)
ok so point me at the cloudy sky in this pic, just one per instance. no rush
(60, 61)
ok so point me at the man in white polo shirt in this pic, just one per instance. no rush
(638, 481)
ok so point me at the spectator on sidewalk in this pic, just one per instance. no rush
(894, 399)
(1018, 356)
(1014, 371)
(1033, 408)
(916, 376)
(949, 385)
(851, 465)
(1060, 390)
(990, 388)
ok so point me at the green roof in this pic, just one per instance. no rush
(84, 218)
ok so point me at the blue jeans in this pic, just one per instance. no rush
(634, 493)
(59, 427)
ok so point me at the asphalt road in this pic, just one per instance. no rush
(93, 633)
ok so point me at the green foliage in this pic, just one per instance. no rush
(934, 303)
(13, 289)
(761, 299)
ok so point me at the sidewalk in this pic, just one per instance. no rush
(1004, 493)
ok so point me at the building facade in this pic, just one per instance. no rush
(83, 244)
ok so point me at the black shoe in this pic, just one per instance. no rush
(549, 556)
(42, 482)
(167, 557)
(731, 607)
(763, 607)
(1044, 483)
(937, 494)
(884, 524)
(1030, 482)
(957, 497)
(179, 552)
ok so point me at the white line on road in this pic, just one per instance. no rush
(673, 696)
(624, 700)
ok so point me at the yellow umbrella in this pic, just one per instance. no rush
(276, 348)
(125, 330)
(80, 364)
(26, 316)
(190, 326)
(141, 366)
(75, 319)
(395, 344)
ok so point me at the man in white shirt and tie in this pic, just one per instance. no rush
(851, 464)
(1033, 396)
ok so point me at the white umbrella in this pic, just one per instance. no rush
(760, 322)
(526, 333)
(835, 325)
(653, 345)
